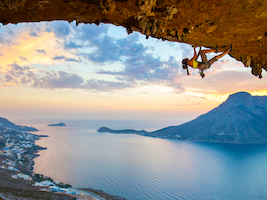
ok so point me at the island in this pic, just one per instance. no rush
(241, 119)
(59, 124)
(125, 131)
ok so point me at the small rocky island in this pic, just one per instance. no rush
(125, 131)
(59, 124)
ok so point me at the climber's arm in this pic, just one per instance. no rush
(190, 62)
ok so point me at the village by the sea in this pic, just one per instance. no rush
(17, 151)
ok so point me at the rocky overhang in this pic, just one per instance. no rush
(209, 23)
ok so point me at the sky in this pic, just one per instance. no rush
(57, 70)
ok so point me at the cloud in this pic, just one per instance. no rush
(61, 29)
(187, 51)
(18, 75)
(2, 39)
(9, 78)
(150, 70)
(95, 44)
(59, 58)
(72, 60)
(34, 34)
(108, 49)
(5, 41)
(90, 42)
(9, 31)
(23, 58)
(226, 82)
(139, 65)
(16, 69)
(41, 51)
(84, 36)
(107, 86)
(64, 58)
(61, 79)
(72, 45)
(43, 79)
(91, 32)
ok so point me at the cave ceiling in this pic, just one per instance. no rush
(209, 23)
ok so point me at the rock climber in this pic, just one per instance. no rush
(205, 64)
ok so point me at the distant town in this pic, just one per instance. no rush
(17, 151)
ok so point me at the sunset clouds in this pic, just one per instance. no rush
(68, 44)
(60, 58)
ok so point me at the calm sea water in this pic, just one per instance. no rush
(138, 167)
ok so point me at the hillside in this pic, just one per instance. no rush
(209, 23)
(4, 123)
(241, 119)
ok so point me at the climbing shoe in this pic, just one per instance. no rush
(202, 74)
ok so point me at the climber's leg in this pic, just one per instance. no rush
(203, 56)
(208, 51)
(211, 61)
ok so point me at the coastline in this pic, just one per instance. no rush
(18, 181)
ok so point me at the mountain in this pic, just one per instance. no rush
(4, 123)
(241, 119)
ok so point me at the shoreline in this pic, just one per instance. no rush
(18, 181)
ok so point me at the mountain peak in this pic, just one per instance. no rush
(239, 98)
(240, 95)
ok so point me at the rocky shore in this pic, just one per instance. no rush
(17, 180)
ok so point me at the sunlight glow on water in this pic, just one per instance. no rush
(139, 167)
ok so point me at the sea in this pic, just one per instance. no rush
(139, 167)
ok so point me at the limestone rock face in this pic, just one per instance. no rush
(209, 23)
